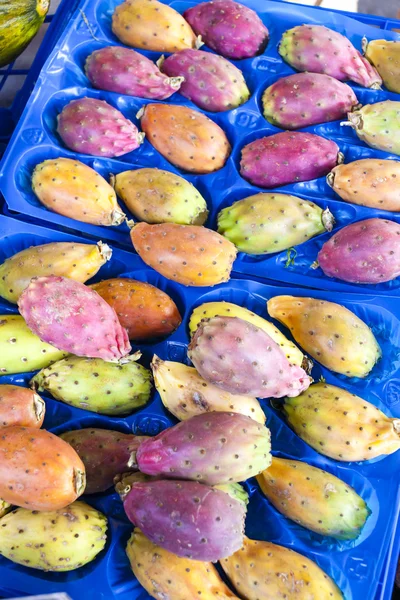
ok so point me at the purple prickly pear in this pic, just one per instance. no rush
(187, 518)
(91, 126)
(363, 252)
(318, 49)
(216, 447)
(125, 71)
(288, 157)
(241, 358)
(74, 318)
(210, 81)
(229, 28)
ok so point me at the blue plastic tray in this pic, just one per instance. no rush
(360, 567)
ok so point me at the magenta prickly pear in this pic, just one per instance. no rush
(288, 157)
(74, 318)
(91, 126)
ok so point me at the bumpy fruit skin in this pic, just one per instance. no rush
(20, 406)
(185, 137)
(72, 189)
(187, 254)
(73, 317)
(69, 259)
(210, 522)
(288, 157)
(368, 182)
(186, 394)
(314, 498)
(192, 449)
(152, 25)
(331, 333)
(305, 99)
(384, 55)
(267, 222)
(102, 387)
(157, 196)
(210, 81)
(261, 570)
(125, 71)
(38, 470)
(91, 126)
(21, 350)
(318, 49)
(152, 566)
(378, 125)
(56, 540)
(229, 28)
(241, 358)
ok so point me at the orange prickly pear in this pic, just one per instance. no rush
(384, 55)
(20, 406)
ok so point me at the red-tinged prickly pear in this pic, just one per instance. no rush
(288, 157)
(187, 254)
(318, 49)
(68, 259)
(91, 126)
(265, 571)
(54, 540)
(209, 80)
(378, 125)
(20, 406)
(305, 99)
(330, 332)
(185, 137)
(341, 425)
(188, 518)
(38, 470)
(314, 498)
(241, 358)
(229, 28)
(152, 25)
(125, 71)
(152, 566)
(384, 55)
(363, 252)
(74, 318)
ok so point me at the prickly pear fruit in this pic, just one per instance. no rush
(314, 498)
(318, 49)
(91, 126)
(188, 518)
(378, 125)
(384, 55)
(185, 137)
(95, 385)
(157, 196)
(56, 540)
(38, 470)
(71, 188)
(20, 406)
(235, 490)
(288, 157)
(209, 80)
(241, 358)
(73, 317)
(305, 99)
(21, 350)
(368, 182)
(152, 25)
(186, 394)
(363, 252)
(142, 309)
(187, 254)
(125, 71)
(261, 570)
(331, 333)
(267, 223)
(152, 566)
(4, 509)
(69, 259)
(229, 28)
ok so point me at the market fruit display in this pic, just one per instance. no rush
(20, 406)
(377, 125)
(384, 55)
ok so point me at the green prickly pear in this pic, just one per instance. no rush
(4, 508)
(378, 125)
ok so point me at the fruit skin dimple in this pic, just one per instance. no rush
(378, 125)
(20, 406)
(384, 55)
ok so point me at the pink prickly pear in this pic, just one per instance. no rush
(91, 126)
(74, 318)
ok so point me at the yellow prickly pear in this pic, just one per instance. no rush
(384, 55)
